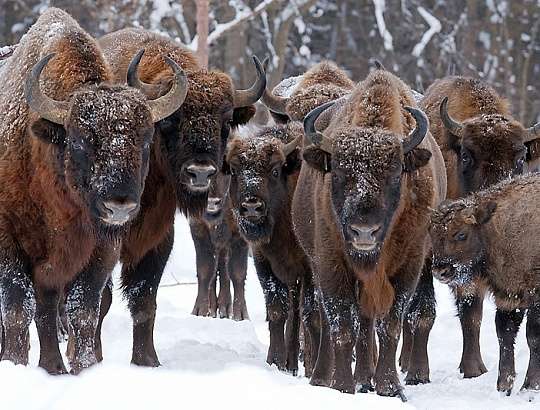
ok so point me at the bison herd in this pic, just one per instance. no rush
(340, 197)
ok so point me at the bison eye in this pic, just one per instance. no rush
(77, 146)
(519, 163)
(275, 172)
(466, 159)
(460, 236)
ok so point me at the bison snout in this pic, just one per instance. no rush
(214, 205)
(200, 175)
(118, 211)
(252, 208)
(442, 273)
(363, 236)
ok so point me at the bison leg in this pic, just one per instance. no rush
(47, 301)
(366, 355)
(342, 313)
(292, 333)
(275, 295)
(206, 273)
(419, 321)
(17, 308)
(470, 315)
(224, 300)
(312, 326)
(532, 379)
(507, 323)
(237, 271)
(324, 365)
(140, 283)
(106, 301)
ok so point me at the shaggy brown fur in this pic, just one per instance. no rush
(486, 237)
(220, 251)
(322, 83)
(262, 174)
(196, 134)
(491, 149)
(365, 182)
(54, 180)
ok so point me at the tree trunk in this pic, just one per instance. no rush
(202, 32)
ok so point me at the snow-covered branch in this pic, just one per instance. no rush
(380, 6)
(434, 27)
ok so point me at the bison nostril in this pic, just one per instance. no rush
(200, 174)
(120, 206)
(364, 232)
(252, 207)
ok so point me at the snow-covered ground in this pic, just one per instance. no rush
(218, 363)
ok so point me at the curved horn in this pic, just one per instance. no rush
(244, 98)
(378, 65)
(46, 107)
(314, 136)
(291, 146)
(532, 133)
(150, 90)
(164, 106)
(453, 126)
(419, 133)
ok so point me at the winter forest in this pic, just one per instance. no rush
(269, 204)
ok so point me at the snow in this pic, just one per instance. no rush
(218, 363)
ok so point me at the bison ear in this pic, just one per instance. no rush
(484, 212)
(317, 158)
(48, 132)
(416, 159)
(292, 162)
(280, 118)
(453, 142)
(242, 115)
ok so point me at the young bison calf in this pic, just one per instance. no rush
(222, 252)
(264, 168)
(489, 237)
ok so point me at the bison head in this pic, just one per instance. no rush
(458, 244)
(102, 135)
(489, 148)
(195, 136)
(263, 170)
(367, 168)
(218, 197)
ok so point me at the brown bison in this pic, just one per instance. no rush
(481, 144)
(264, 169)
(486, 238)
(74, 157)
(220, 252)
(188, 150)
(361, 213)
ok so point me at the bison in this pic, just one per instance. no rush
(75, 152)
(486, 238)
(264, 169)
(187, 152)
(481, 144)
(361, 213)
(220, 251)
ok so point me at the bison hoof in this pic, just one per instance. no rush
(240, 314)
(472, 368)
(319, 382)
(416, 378)
(54, 369)
(390, 388)
(343, 386)
(365, 387)
(146, 360)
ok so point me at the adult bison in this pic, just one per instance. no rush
(487, 237)
(361, 212)
(220, 252)
(264, 169)
(74, 157)
(187, 152)
(481, 144)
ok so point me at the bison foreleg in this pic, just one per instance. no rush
(312, 325)
(140, 283)
(366, 355)
(292, 333)
(237, 271)
(206, 273)
(532, 379)
(17, 303)
(507, 324)
(324, 365)
(224, 300)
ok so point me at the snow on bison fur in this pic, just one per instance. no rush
(490, 238)
(481, 144)
(361, 212)
(187, 152)
(74, 157)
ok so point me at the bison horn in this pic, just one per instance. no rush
(453, 126)
(419, 133)
(273, 102)
(46, 107)
(378, 65)
(291, 146)
(160, 107)
(314, 136)
(244, 98)
(532, 133)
